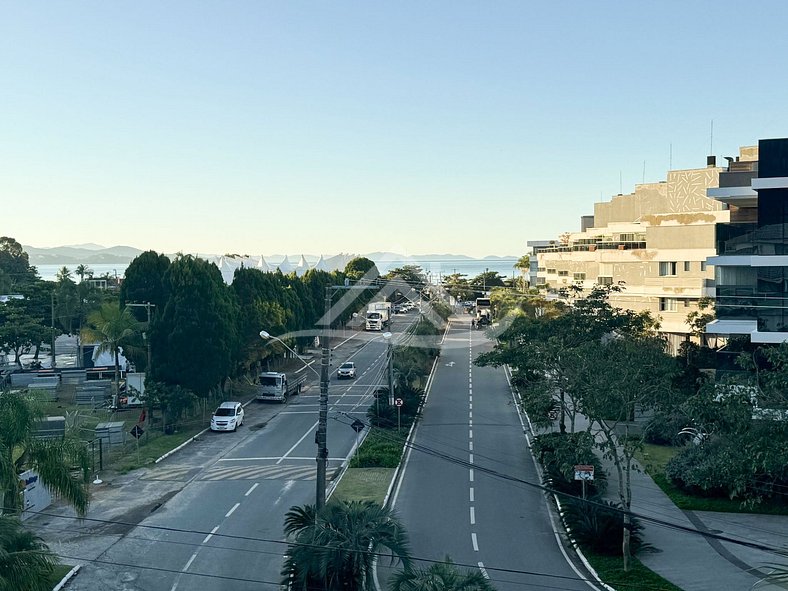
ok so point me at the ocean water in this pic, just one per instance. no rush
(435, 268)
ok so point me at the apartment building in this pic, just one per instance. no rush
(751, 264)
(655, 243)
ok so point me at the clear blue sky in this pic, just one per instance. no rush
(319, 127)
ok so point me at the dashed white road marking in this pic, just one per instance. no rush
(254, 486)
(231, 511)
(473, 516)
(475, 542)
(470, 474)
(471, 495)
(210, 535)
(484, 571)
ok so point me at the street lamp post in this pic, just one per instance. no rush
(265, 336)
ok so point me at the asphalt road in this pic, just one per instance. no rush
(459, 494)
(215, 510)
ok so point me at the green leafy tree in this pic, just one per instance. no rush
(485, 281)
(335, 548)
(457, 286)
(19, 329)
(15, 263)
(54, 460)
(611, 380)
(144, 281)
(412, 275)
(174, 401)
(112, 328)
(361, 268)
(26, 563)
(194, 339)
(440, 576)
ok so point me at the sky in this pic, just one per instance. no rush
(321, 127)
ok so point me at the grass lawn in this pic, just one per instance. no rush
(364, 484)
(61, 570)
(611, 570)
(151, 449)
(655, 457)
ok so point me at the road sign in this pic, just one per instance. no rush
(584, 472)
(398, 402)
(137, 431)
(357, 426)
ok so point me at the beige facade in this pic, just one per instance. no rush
(653, 243)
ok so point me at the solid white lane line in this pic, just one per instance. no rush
(296, 444)
(471, 495)
(475, 542)
(230, 512)
(254, 486)
(473, 516)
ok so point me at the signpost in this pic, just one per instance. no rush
(584, 472)
(358, 427)
(137, 432)
(398, 404)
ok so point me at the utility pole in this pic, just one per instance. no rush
(54, 362)
(391, 369)
(320, 435)
(146, 334)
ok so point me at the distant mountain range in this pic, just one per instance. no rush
(84, 254)
(87, 254)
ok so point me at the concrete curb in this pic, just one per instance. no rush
(555, 498)
(182, 445)
(69, 575)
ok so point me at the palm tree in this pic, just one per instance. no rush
(63, 274)
(56, 461)
(25, 561)
(335, 548)
(82, 270)
(440, 576)
(523, 265)
(112, 327)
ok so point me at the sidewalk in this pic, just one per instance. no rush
(694, 562)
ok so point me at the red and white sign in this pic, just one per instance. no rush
(584, 472)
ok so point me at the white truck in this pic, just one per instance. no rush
(378, 315)
(276, 386)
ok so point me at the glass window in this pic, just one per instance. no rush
(667, 268)
(668, 304)
(687, 265)
(703, 265)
